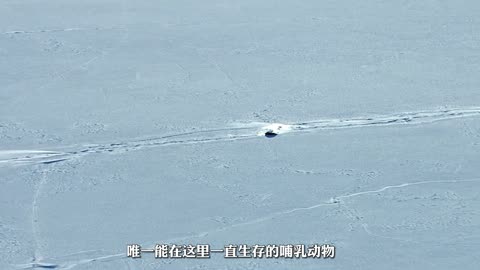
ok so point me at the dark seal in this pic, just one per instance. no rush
(270, 134)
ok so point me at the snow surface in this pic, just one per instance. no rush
(138, 122)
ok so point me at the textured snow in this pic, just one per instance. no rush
(143, 122)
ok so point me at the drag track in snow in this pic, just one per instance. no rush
(241, 131)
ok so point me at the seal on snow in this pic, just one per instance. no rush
(273, 130)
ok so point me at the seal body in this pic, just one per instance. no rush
(270, 134)
(272, 130)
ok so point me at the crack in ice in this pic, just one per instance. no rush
(338, 198)
(332, 202)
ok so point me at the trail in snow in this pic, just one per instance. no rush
(242, 131)
(15, 32)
